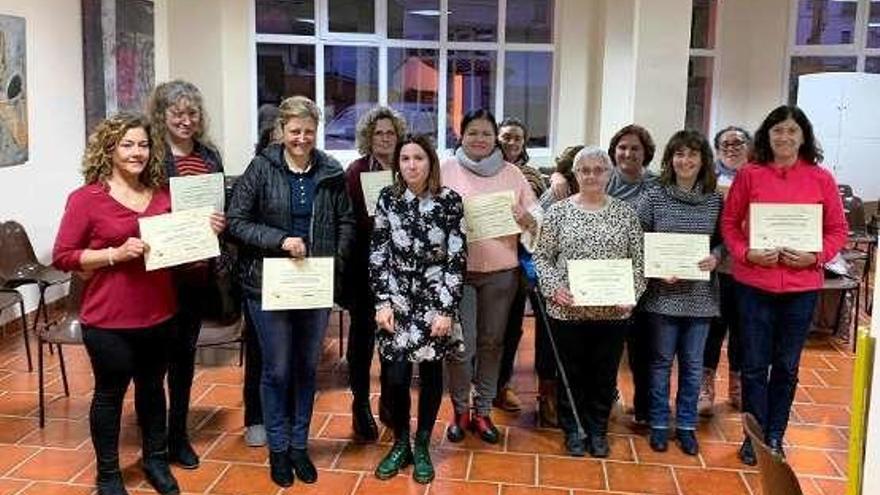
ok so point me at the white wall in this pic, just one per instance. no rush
(35, 193)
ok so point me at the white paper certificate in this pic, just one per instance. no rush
(371, 185)
(178, 238)
(794, 226)
(196, 191)
(490, 215)
(305, 283)
(675, 255)
(601, 282)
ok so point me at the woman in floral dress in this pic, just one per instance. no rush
(417, 263)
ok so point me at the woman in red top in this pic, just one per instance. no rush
(778, 287)
(126, 312)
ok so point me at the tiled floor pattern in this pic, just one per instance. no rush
(529, 461)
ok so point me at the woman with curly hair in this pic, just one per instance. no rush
(378, 132)
(99, 237)
(178, 121)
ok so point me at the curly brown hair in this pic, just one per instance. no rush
(97, 162)
(171, 93)
(367, 125)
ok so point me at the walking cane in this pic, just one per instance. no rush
(542, 311)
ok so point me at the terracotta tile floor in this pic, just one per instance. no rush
(529, 461)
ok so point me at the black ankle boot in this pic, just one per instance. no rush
(158, 474)
(303, 466)
(182, 454)
(280, 470)
(110, 483)
(362, 422)
(747, 453)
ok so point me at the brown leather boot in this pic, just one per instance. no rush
(547, 404)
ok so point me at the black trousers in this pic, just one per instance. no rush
(361, 344)
(118, 357)
(181, 368)
(727, 324)
(590, 352)
(639, 351)
(396, 379)
(253, 367)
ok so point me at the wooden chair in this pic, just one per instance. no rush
(8, 299)
(777, 477)
(222, 335)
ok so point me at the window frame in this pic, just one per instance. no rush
(324, 37)
(857, 49)
(713, 53)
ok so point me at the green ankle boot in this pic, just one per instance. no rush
(399, 457)
(423, 470)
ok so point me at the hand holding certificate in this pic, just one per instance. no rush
(779, 225)
(305, 283)
(197, 191)
(602, 282)
(372, 184)
(178, 238)
(490, 215)
(678, 256)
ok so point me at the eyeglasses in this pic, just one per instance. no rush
(726, 145)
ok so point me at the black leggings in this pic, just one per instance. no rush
(396, 378)
(118, 357)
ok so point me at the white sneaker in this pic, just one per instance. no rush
(255, 436)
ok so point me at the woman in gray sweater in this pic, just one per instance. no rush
(684, 201)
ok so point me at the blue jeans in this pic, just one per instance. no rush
(774, 329)
(291, 347)
(685, 337)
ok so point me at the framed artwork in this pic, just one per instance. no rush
(13, 92)
(118, 56)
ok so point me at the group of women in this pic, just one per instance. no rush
(418, 289)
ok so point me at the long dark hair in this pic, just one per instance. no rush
(693, 140)
(809, 151)
(427, 145)
(476, 114)
(515, 122)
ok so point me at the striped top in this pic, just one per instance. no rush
(191, 164)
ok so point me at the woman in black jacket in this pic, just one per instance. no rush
(291, 201)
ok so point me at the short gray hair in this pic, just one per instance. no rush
(367, 125)
(591, 152)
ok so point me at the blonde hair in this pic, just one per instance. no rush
(167, 95)
(296, 107)
(97, 162)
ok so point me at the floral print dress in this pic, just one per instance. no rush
(417, 262)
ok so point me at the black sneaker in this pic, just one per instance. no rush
(183, 455)
(280, 470)
(687, 441)
(747, 453)
(303, 466)
(597, 444)
(575, 445)
(659, 440)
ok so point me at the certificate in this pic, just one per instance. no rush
(601, 282)
(490, 215)
(675, 255)
(794, 226)
(290, 283)
(178, 238)
(196, 191)
(371, 185)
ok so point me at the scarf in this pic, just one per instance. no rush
(487, 167)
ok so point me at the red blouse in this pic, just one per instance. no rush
(125, 295)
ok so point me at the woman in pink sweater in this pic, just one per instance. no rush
(778, 287)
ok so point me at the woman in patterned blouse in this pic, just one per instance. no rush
(417, 262)
(588, 225)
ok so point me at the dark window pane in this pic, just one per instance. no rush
(286, 17)
(284, 70)
(872, 65)
(414, 19)
(529, 21)
(527, 81)
(824, 22)
(351, 87)
(352, 16)
(874, 25)
(699, 93)
(471, 84)
(812, 65)
(473, 20)
(412, 87)
(703, 24)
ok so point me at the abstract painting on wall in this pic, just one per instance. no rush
(13, 92)
(118, 56)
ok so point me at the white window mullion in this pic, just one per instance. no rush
(442, 77)
(860, 36)
(382, 34)
(500, 60)
(319, 88)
